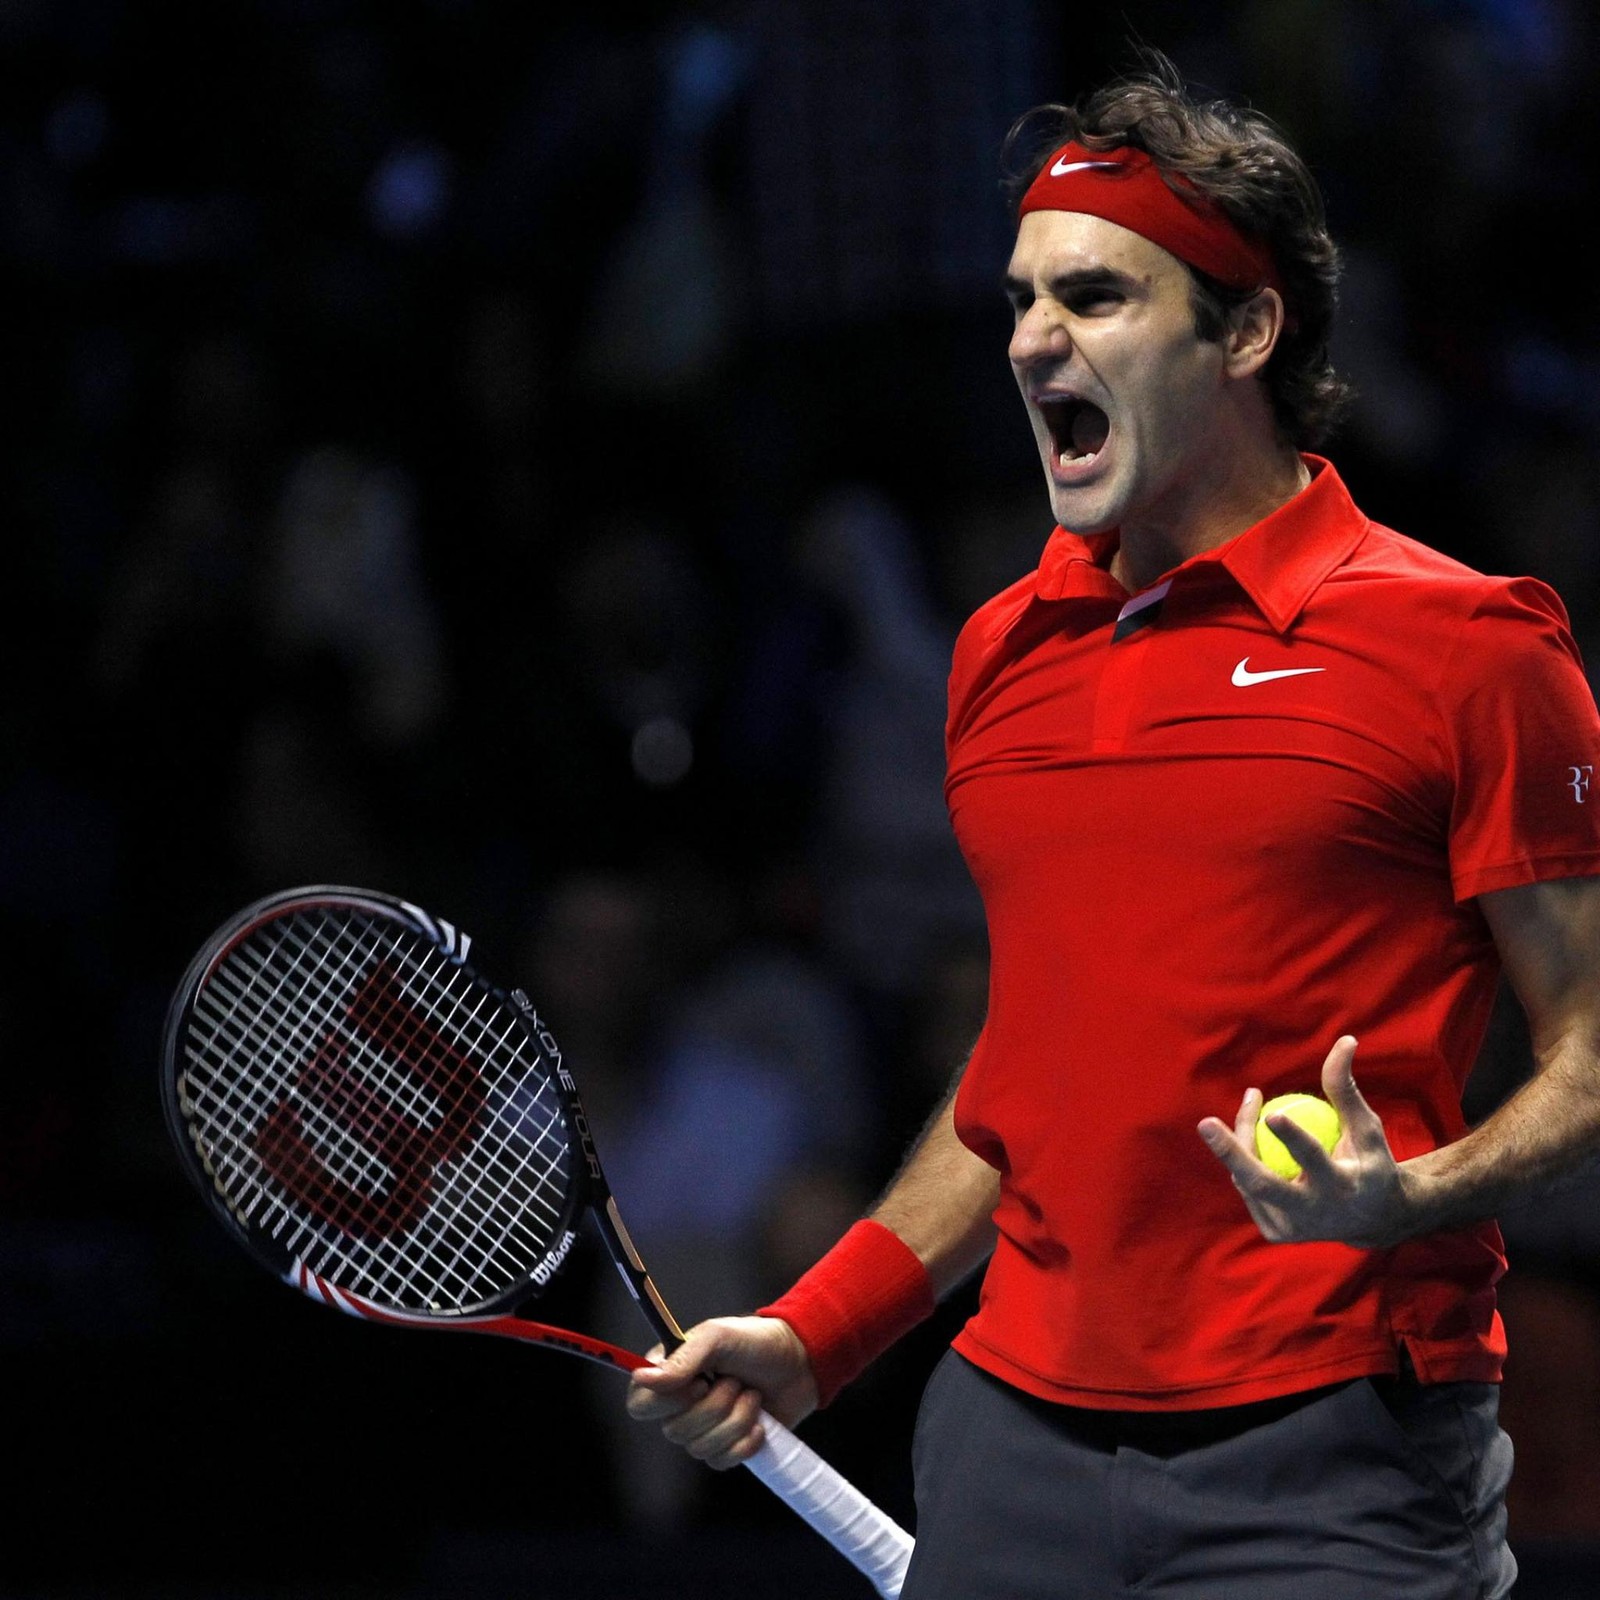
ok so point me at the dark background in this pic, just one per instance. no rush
(536, 463)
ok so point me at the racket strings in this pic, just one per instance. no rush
(412, 1263)
(272, 1026)
(374, 1108)
(365, 1104)
(258, 1085)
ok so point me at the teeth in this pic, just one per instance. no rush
(1068, 459)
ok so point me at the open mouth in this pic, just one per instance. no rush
(1078, 428)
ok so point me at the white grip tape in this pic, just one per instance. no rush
(850, 1522)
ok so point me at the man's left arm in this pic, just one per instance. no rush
(1548, 935)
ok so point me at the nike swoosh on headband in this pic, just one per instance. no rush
(1062, 168)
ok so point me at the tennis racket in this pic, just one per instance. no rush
(385, 1129)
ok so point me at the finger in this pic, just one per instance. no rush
(641, 1401)
(649, 1405)
(1244, 1123)
(1316, 1165)
(742, 1450)
(680, 1370)
(1239, 1158)
(1218, 1136)
(1235, 1147)
(711, 1412)
(1340, 1090)
(1264, 1193)
(736, 1438)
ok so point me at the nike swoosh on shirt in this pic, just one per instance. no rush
(1062, 168)
(1243, 677)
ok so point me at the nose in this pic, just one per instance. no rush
(1041, 333)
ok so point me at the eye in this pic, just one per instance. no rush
(1019, 304)
(1099, 298)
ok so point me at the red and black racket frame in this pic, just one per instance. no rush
(588, 1191)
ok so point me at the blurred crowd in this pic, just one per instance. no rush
(536, 462)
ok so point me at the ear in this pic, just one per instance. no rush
(1253, 330)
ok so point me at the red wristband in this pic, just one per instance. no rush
(868, 1291)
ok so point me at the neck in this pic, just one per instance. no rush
(1207, 508)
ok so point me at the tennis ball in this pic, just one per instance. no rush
(1316, 1116)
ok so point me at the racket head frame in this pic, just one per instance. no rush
(586, 1190)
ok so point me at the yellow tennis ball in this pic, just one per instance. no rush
(1316, 1116)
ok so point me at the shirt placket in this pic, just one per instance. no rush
(1126, 655)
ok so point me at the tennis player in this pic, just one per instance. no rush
(1260, 796)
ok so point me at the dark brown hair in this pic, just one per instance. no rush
(1239, 159)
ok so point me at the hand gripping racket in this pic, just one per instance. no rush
(388, 1131)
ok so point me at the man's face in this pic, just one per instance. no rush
(1122, 394)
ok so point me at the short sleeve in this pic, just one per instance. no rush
(1522, 744)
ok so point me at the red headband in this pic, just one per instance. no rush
(1126, 187)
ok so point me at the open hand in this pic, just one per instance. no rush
(1356, 1194)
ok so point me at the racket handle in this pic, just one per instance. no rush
(873, 1541)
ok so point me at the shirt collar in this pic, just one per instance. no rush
(1280, 562)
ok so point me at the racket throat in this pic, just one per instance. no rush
(640, 1285)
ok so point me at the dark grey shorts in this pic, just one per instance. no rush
(1374, 1489)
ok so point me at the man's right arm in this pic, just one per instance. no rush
(941, 1203)
(941, 1208)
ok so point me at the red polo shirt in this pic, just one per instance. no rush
(1215, 827)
